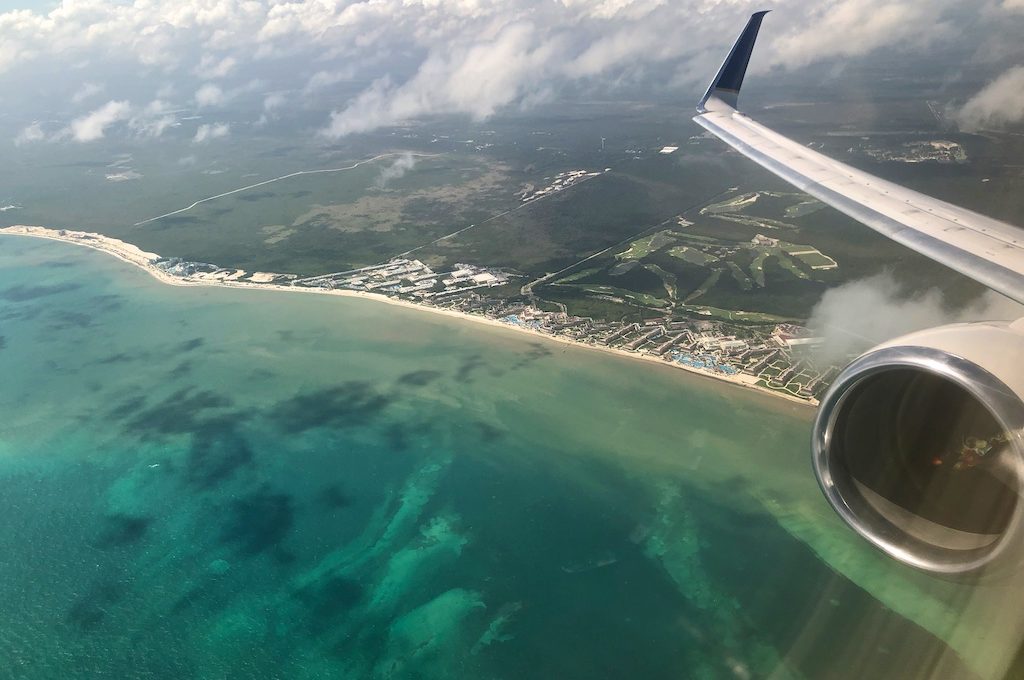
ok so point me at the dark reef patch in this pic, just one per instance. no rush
(119, 358)
(107, 303)
(465, 372)
(57, 264)
(190, 345)
(218, 452)
(399, 435)
(259, 374)
(419, 378)
(128, 407)
(334, 497)
(3, 342)
(258, 522)
(64, 320)
(204, 596)
(21, 293)
(329, 602)
(20, 314)
(89, 610)
(488, 433)
(353, 402)
(181, 370)
(536, 352)
(312, 337)
(183, 412)
(121, 530)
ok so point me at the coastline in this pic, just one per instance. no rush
(144, 260)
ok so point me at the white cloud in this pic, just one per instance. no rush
(474, 79)
(30, 134)
(324, 79)
(999, 103)
(858, 315)
(86, 91)
(396, 170)
(208, 131)
(471, 57)
(123, 176)
(155, 119)
(92, 126)
(212, 67)
(274, 101)
(856, 27)
(210, 95)
(149, 121)
(222, 34)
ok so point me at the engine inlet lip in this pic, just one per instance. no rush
(990, 391)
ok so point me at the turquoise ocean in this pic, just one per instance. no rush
(214, 483)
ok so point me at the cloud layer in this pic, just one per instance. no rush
(861, 314)
(210, 131)
(999, 103)
(396, 170)
(93, 125)
(418, 58)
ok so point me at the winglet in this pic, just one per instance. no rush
(726, 85)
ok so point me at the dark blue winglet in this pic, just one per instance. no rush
(726, 85)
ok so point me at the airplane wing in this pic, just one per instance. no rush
(986, 250)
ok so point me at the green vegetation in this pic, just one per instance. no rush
(315, 224)
(551, 234)
(740, 276)
(804, 208)
(788, 264)
(643, 247)
(692, 255)
(757, 266)
(757, 222)
(731, 205)
(708, 284)
(735, 269)
(641, 298)
(667, 278)
(581, 274)
(809, 255)
(733, 315)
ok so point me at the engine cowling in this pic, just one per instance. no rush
(919, 446)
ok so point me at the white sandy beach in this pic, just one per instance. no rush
(131, 254)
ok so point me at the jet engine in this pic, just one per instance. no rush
(919, 446)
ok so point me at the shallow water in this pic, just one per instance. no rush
(215, 483)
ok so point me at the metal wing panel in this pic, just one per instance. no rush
(986, 250)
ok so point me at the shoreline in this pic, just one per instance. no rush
(133, 255)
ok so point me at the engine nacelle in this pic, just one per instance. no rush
(919, 446)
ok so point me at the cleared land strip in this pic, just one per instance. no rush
(490, 219)
(288, 176)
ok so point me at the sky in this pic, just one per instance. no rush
(82, 70)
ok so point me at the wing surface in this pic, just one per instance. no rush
(984, 249)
